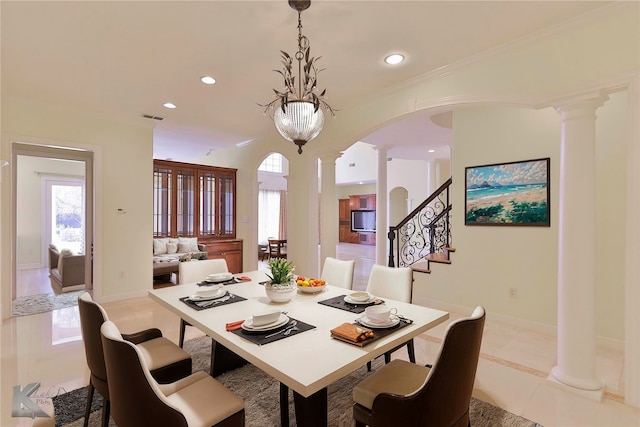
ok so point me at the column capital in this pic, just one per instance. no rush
(381, 149)
(584, 104)
(330, 156)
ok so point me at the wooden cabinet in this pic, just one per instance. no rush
(191, 200)
(355, 202)
(230, 250)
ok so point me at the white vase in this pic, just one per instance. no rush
(280, 292)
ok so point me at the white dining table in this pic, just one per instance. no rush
(306, 362)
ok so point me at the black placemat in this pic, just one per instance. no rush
(339, 302)
(231, 281)
(378, 333)
(266, 337)
(234, 298)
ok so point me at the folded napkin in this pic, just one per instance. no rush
(352, 333)
(234, 325)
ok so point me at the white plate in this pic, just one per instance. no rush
(210, 294)
(365, 321)
(348, 299)
(311, 289)
(248, 324)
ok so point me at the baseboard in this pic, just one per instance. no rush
(28, 266)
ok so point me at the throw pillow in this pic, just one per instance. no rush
(188, 244)
(160, 246)
(172, 248)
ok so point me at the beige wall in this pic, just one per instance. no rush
(123, 179)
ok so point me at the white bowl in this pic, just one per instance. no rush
(219, 277)
(210, 291)
(360, 296)
(311, 289)
(265, 318)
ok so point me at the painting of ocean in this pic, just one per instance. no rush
(515, 193)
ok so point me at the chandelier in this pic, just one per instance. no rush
(297, 109)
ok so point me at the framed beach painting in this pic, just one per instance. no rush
(514, 193)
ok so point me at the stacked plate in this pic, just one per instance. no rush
(218, 277)
(208, 294)
(389, 323)
(249, 326)
(350, 300)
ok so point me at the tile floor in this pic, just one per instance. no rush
(512, 371)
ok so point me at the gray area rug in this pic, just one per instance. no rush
(261, 398)
(34, 304)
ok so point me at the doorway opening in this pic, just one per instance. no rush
(52, 190)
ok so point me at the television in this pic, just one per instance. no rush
(363, 220)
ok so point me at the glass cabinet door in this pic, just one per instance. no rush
(227, 204)
(162, 190)
(208, 209)
(185, 210)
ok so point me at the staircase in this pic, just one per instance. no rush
(424, 236)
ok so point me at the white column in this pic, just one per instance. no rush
(576, 246)
(329, 226)
(381, 208)
(632, 252)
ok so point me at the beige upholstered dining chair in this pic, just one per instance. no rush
(166, 361)
(338, 272)
(393, 283)
(197, 271)
(403, 394)
(138, 400)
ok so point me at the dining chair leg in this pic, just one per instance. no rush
(284, 405)
(106, 408)
(87, 411)
(411, 350)
(183, 327)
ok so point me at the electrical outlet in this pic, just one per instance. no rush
(513, 292)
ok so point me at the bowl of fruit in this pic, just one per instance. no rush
(310, 285)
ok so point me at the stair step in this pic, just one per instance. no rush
(421, 267)
(441, 258)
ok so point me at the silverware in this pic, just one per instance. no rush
(286, 331)
(205, 304)
(409, 321)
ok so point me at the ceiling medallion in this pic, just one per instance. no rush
(297, 110)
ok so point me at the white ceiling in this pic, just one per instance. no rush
(123, 59)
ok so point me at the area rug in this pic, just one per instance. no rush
(260, 393)
(34, 304)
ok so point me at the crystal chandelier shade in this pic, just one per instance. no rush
(299, 123)
(297, 109)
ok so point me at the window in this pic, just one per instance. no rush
(273, 163)
(268, 215)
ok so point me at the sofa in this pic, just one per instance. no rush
(168, 249)
(66, 270)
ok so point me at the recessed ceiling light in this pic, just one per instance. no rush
(169, 105)
(432, 151)
(394, 59)
(208, 80)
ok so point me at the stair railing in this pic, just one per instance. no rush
(426, 230)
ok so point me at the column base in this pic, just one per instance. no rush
(595, 394)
